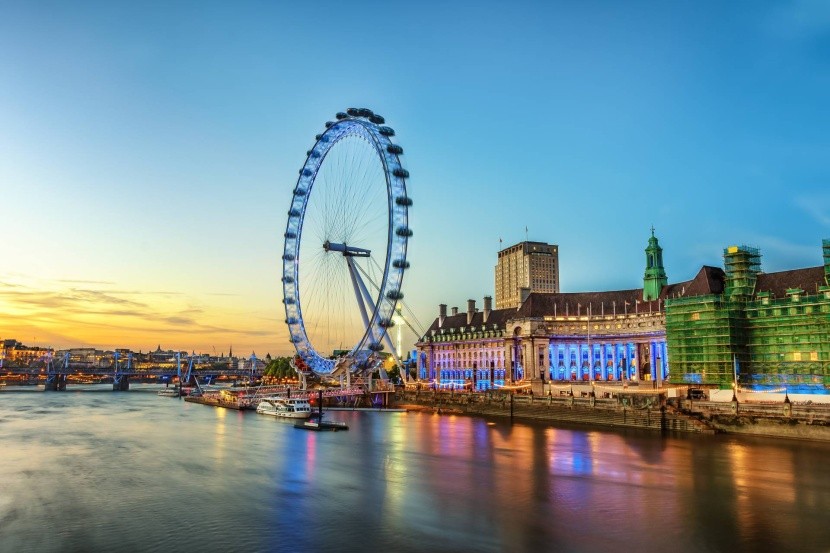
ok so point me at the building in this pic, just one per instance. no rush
(14, 353)
(758, 328)
(723, 324)
(465, 348)
(524, 268)
(614, 335)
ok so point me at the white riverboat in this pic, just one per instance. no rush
(169, 392)
(292, 408)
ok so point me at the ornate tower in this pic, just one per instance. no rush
(655, 277)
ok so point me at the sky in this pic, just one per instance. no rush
(148, 150)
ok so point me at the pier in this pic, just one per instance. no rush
(245, 399)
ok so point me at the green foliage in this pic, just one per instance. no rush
(394, 374)
(280, 367)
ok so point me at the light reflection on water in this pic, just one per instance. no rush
(90, 469)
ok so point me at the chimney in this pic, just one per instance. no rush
(442, 314)
(488, 306)
(455, 311)
(523, 294)
(471, 310)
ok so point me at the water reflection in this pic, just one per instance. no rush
(137, 472)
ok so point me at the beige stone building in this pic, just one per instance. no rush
(524, 268)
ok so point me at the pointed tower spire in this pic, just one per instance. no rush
(655, 276)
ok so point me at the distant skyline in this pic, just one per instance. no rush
(148, 151)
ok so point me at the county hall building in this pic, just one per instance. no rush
(548, 335)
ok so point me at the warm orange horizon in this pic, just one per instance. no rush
(102, 314)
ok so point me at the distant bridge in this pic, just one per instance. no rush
(57, 373)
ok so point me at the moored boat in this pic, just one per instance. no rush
(292, 408)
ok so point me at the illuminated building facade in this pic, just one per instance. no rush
(13, 352)
(465, 349)
(579, 336)
(528, 266)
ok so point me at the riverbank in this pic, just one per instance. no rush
(653, 412)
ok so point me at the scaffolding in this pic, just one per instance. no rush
(742, 265)
(825, 246)
(789, 338)
(774, 340)
(700, 339)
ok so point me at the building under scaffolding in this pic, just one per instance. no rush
(765, 328)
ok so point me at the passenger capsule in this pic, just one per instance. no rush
(306, 172)
(386, 131)
(341, 115)
(288, 257)
(394, 295)
(403, 231)
(403, 200)
(290, 235)
(394, 149)
(377, 119)
(329, 124)
(288, 279)
(400, 264)
(294, 213)
(354, 112)
(402, 173)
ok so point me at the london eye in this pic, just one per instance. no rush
(344, 255)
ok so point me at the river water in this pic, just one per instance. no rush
(93, 470)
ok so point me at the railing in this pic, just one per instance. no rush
(795, 411)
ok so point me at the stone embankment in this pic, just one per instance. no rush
(651, 412)
(622, 411)
(802, 420)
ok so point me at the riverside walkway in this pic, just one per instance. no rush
(632, 408)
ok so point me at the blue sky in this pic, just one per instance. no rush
(148, 151)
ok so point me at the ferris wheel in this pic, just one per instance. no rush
(345, 244)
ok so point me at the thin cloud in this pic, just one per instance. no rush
(78, 315)
(72, 281)
(816, 206)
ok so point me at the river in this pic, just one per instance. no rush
(93, 470)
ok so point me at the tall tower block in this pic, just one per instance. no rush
(531, 265)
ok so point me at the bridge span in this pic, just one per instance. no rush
(57, 374)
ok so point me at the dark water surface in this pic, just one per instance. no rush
(93, 470)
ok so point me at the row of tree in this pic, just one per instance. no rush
(279, 367)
